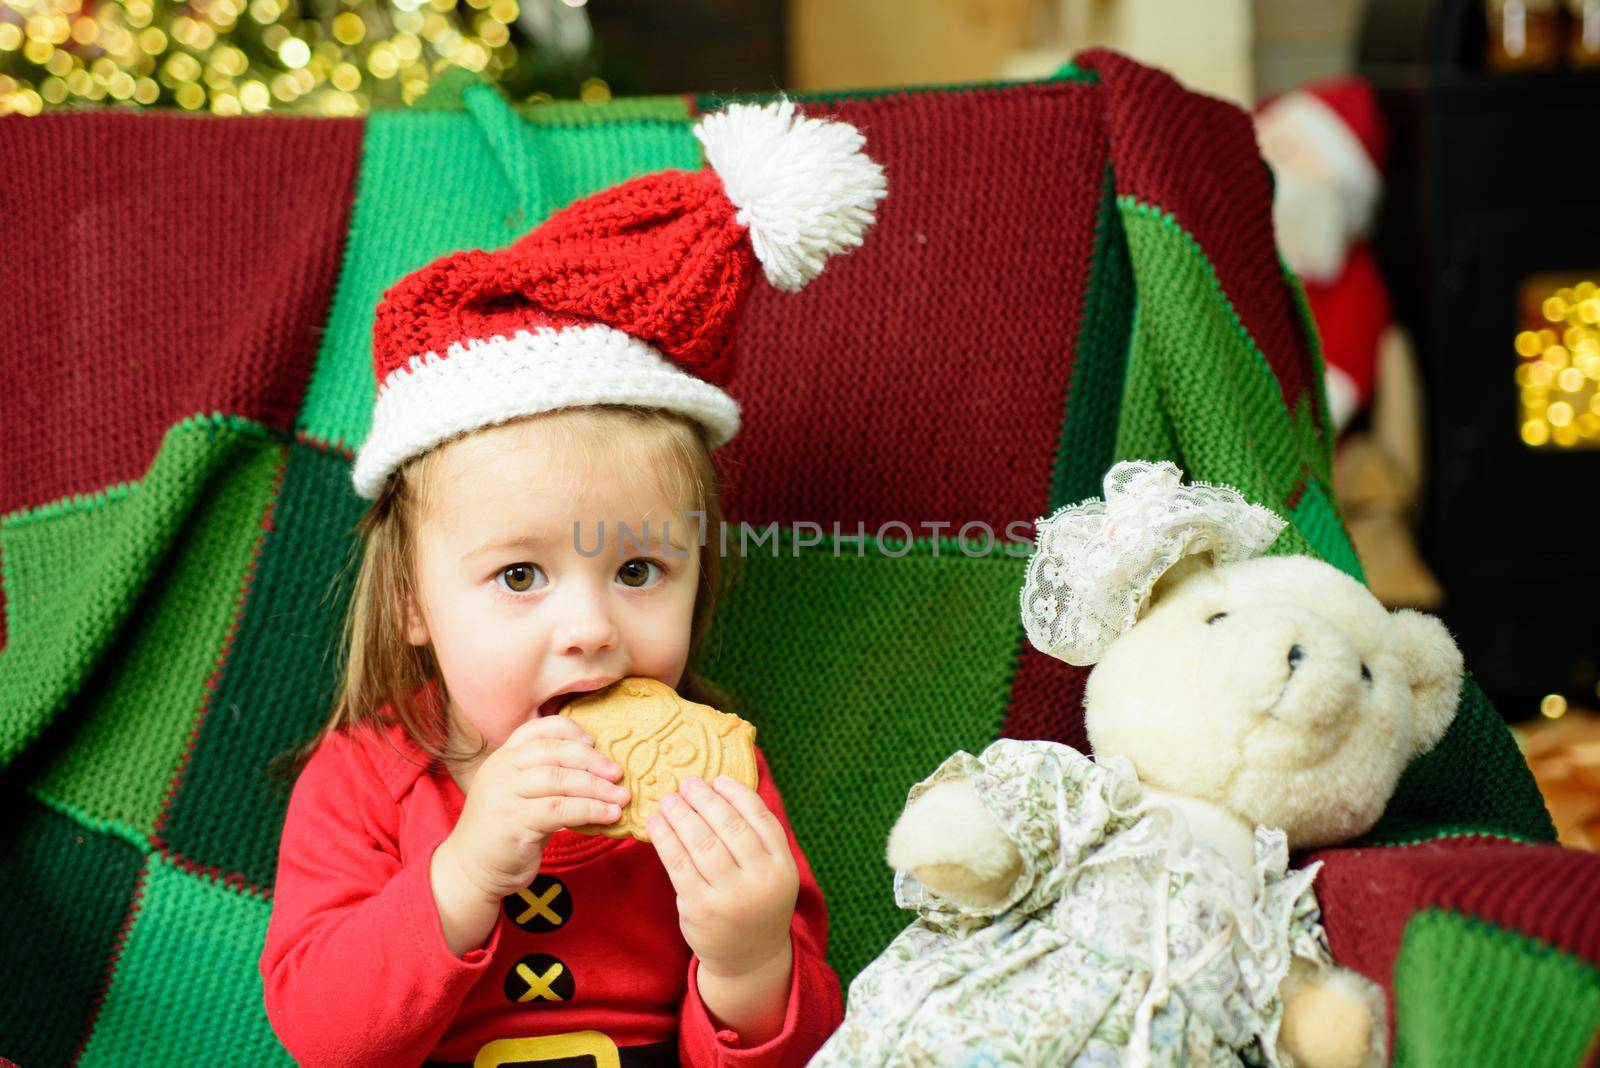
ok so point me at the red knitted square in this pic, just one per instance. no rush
(923, 376)
(1196, 159)
(1368, 895)
(173, 266)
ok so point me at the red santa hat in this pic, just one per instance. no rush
(629, 296)
(1331, 177)
(1328, 147)
(1349, 101)
(1340, 114)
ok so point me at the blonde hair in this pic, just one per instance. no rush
(382, 673)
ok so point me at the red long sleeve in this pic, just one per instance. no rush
(356, 969)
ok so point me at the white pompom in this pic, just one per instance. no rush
(804, 187)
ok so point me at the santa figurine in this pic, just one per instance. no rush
(1326, 144)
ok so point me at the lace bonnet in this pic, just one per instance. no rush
(1096, 563)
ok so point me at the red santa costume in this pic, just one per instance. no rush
(629, 296)
(586, 962)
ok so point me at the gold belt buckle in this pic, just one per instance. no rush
(594, 1044)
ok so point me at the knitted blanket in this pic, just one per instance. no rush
(1065, 274)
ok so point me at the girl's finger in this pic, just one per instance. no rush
(552, 781)
(731, 826)
(686, 878)
(701, 841)
(567, 754)
(548, 815)
(552, 727)
(756, 813)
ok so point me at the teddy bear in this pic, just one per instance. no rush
(1138, 908)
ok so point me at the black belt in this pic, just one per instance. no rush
(656, 1055)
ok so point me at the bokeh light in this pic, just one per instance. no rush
(1558, 374)
(231, 57)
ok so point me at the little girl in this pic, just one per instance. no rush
(543, 524)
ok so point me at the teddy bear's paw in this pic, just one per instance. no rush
(951, 843)
(1333, 1021)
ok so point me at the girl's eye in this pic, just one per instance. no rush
(639, 573)
(520, 578)
(1219, 615)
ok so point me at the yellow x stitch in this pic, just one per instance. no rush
(539, 985)
(540, 905)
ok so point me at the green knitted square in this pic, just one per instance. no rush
(113, 753)
(434, 182)
(1470, 992)
(1220, 394)
(1200, 392)
(861, 674)
(1474, 781)
(1144, 425)
(187, 989)
(70, 570)
(1318, 519)
(1201, 372)
(75, 569)
(64, 897)
(1099, 363)
(277, 686)
(1312, 415)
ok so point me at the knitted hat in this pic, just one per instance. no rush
(629, 296)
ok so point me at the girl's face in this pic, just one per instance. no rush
(519, 607)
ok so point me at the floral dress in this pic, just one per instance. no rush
(1123, 941)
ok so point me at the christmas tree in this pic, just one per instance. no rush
(326, 57)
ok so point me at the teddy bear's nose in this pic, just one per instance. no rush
(1297, 653)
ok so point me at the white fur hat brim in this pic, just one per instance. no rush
(485, 383)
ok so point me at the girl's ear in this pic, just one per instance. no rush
(416, 624)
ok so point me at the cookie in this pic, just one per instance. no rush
(660, 740)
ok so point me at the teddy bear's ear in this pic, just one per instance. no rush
(1433, 667)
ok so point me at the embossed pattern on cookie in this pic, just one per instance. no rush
(660, 739)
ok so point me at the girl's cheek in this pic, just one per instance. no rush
(495, 639)
(478, 638)
(669, 649)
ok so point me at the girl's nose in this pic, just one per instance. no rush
(586, 626)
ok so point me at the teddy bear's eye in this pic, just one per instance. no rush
(1366, 673)
(1216, 617)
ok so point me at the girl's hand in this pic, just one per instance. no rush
(728, 858)
(546, 777)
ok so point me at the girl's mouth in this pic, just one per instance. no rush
(553, 705)
(556, 704)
